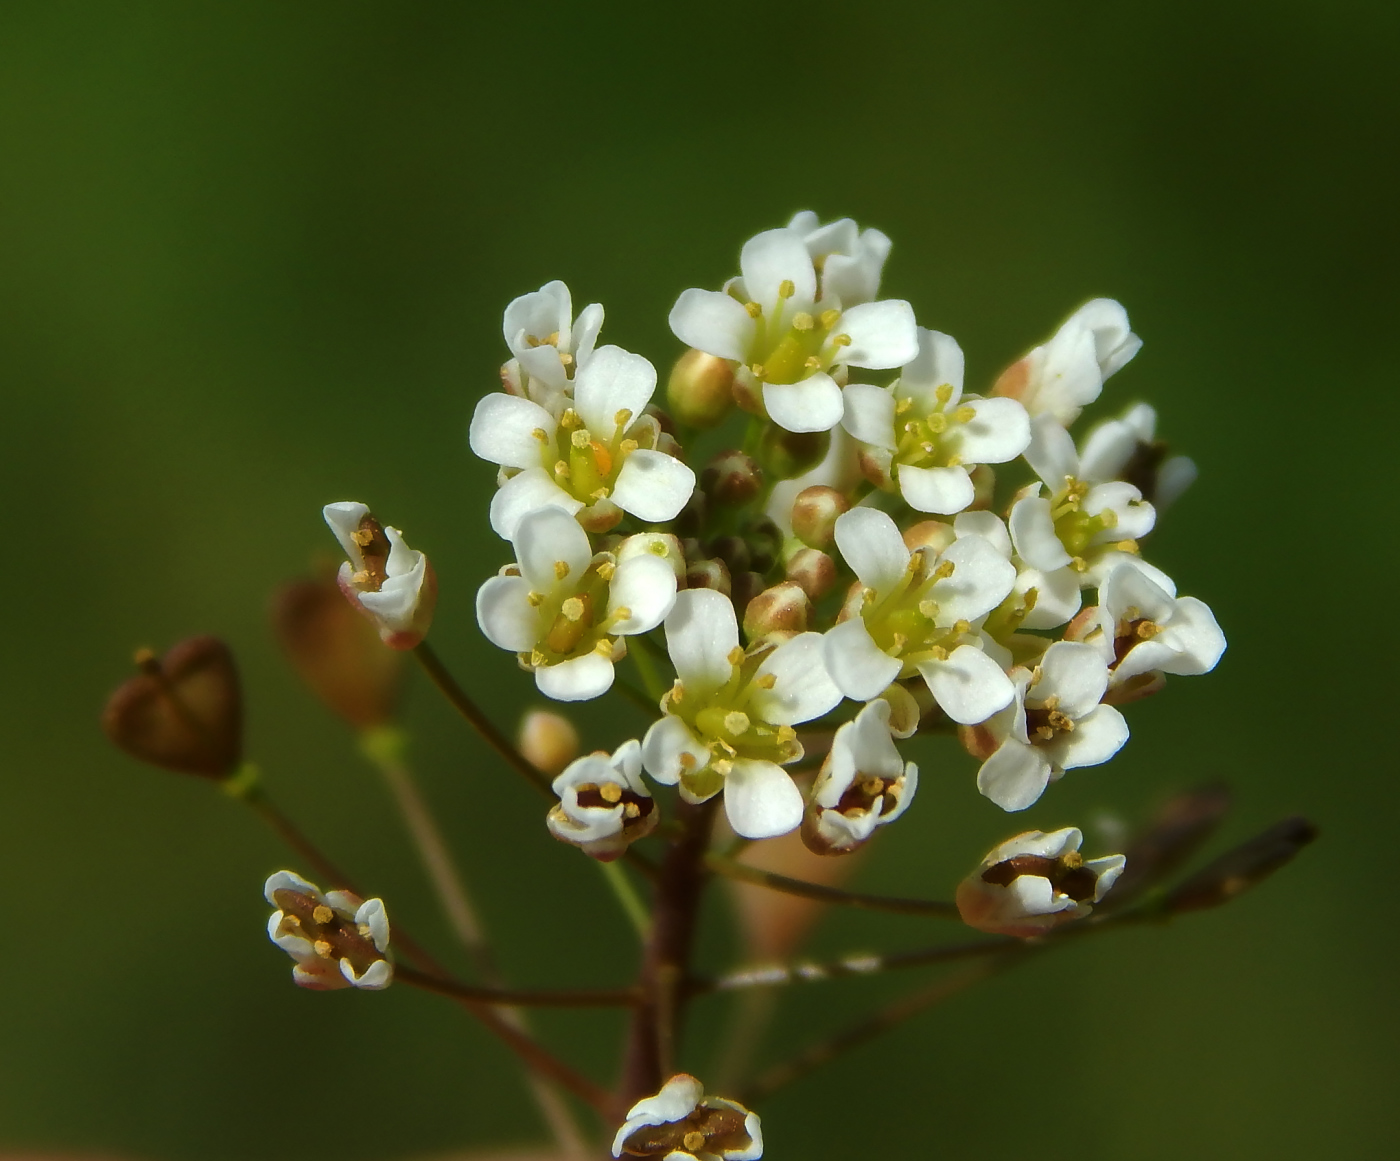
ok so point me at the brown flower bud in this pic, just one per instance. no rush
(708, 574)
(548, 740)
(183, 712)
(814, 514)
(931, 534)
(1242, 868)
(699, 392)
(765, 542)
(783, 609)
(743, 587)
(337, 652)
(731, 478)
(734, 551)
(813, 571)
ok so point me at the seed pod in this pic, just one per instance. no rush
(1238, 870)
(1174, 833)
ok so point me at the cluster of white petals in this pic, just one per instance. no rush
(681, 1123)
(549, 346)
(337, 939)
(604, 805)
(385, 579)
(863, 784)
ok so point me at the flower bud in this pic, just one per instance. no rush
(734, 551)
(681, 1123)
(1034, 882)
(743, 587)
(337, 939)
(931, 534)
(1242, 868)
(813, 571)
(775, 924)
(708, 574)
(691, 518)
(183, 712)
(732, 479)
(604, 806)
(782, 610)
(814, 514)
(699, 392)
(548, 740)
(765, 542)
(791, 453)
(393, 585)
(337, 652)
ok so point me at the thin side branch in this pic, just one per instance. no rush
(744, 873)
(520, 997)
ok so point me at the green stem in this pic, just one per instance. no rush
(774, 882)
(632, 905)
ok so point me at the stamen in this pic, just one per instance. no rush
(631, 810)
(561, 569)
(802, 321)
(693, 1139)
(572, 609)
(540, 434)
(687, 760)
(766, 680)
(754, 309)
(569, 420)
(535, 599)
(581, 438)
(965, 414)
(561, 469)
(841, 340)
(610, 792)
(537, 658)
(829, 318)
(565, 358)
(943, 393)
(322, 948)
(736, 656)
(944, 570)
(322, 914)
(786, 289)
(736, 722)
(604, 648)
(623, 417)
(606, 569)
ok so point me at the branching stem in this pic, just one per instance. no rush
(744, 873)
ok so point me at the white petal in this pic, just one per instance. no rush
(701, 632)
(1114, 342)
(773, 257)
(883, 334)
(942, 491)
(858, 666)
(373, 915)
(989, 526)
(1015, 776)
(1173, 478)
(761, 800)
(982, 578)
(646, 585)
(1136, 516)
(676, 1101)
(1190, 642)
(1033, 534)
(505, 614)
(585, 334)
(969, 685)
(868, 414)
(1048, 845)
(999, 431)
(1130, 588)
(613, 381)
(712, 321)
(665, 742)
(1057, 596)
(502, 430)
(1096, 737)
(811, 404)
(653, 486)
(1074, 672)
(545, 540)
(288, 881)
(577, 679)
(870, 543)
(868, 742)
(1107, 450)
(343, 518)
(528, 492)
(1051, 453)
(939, 361)
(802, 690)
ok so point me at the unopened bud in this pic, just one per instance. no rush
(814, 514)
(1242, 868)
(182, 712)
(743, 587)
(783, 609)
(393, 585)
(548, 740)
(734, 551)
(337, 652)
(699, 392)
(708, 574)
(984, 485)
(813, 571)
(692, 517)
(765, 542)
(731, 478)
(933, 535)
(790, 453)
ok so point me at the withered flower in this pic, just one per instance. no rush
(337, 939)
(393, 585)
(681, 1123)
(604, 806)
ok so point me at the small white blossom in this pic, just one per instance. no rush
(913, 616)
(789, 340)
(864, 783)
(564, 610)
(729, 716)
(597, 458)
(1056, 723)
(604, 806)
(1034, 882)
(1066, 374)
(548, 345)
(1039, 599)
(337, 939)
(1127, 449)
(923, 435)
(848, 260)
(385, 579)
(681, 1123)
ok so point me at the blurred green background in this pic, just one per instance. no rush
(253, 259)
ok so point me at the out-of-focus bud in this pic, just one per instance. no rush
(604, 806)
(182, 712)
(393, 585)
(774, 924)
(863, 784)
(337, 652)
(984, 486)
(681, 1123)
(1242, 868)
(782, 611)
(731, 479)
(548, 740)
(692, 517)
(931, 534)
(734, 551)
(708, 574)
(337, 939)
(743, 587)
(765, 542)
(700, 391)
(1172, 835)
(659, 544)
(813, 571)
(814, 514)
(791, 453)
(1034, 882)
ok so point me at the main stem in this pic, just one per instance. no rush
(652, 1038)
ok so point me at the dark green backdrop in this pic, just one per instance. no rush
(253, 258)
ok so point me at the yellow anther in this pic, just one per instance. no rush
(561, 469)
(902, 405)
(1148, 629)
(812, 363)
(722, 767)
(572, 609)
(1052, 702)
(802, 321)
(829, 318)
(736, 656)
(540, 434)
(1071, 860)
(899, 641)
(754, 309)
(1079, 564)
(841, 340)
(604, 648)
(765, 680)
(736, 722)
(928, 608)
(606, 569)
(623, 417)
(365, 930)
(757, 370)
(787, 734)
(694, 1139)
(677, 693)
(1128, 546)
(322, 913)
(565, 358)
(361, 577)
(726, 747)
(868, 595)
(965, 414)
(621, 613)
(585, 788)
(1036, 674)
(938, 653)
(569, 419)
(944, 570)
(581, 438)
(1062, 722)
(598, 494)
(937, 423)
(687, 760)
(627, 447)
(535, 599)
(1028, 600)
(631, 810)
(363, 537)
(561, 569)
(954, 462)
(927, 448)
(610, 792)
(961, 626)
(322, 948)
(943, 393)
(536, 658)
(1108, 518)
(786, 289)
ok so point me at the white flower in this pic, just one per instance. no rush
(604, 805)
(729, 716)
(922, 434)
(1142, 628)
(1039, 599)
(385, 579)
(848, 260)
(681, 1123)
(1090, 527)
(1054, 724)
(564, 610)
(1064, 375)
(1034, 882)
(598, 457)
(548, 345)
(914, 616)
(1127, 449)
(337, 939)
(787, 339)
(864, 783)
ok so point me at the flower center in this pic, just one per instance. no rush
(1046, 722)
(609, 794)
(572, 621)
(1131, 630)
(904, 621)
(586, 463)
(332, 936)
(1067, 874)
(369, 538)
(930, 441)
(789, 346)
(869, 792)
